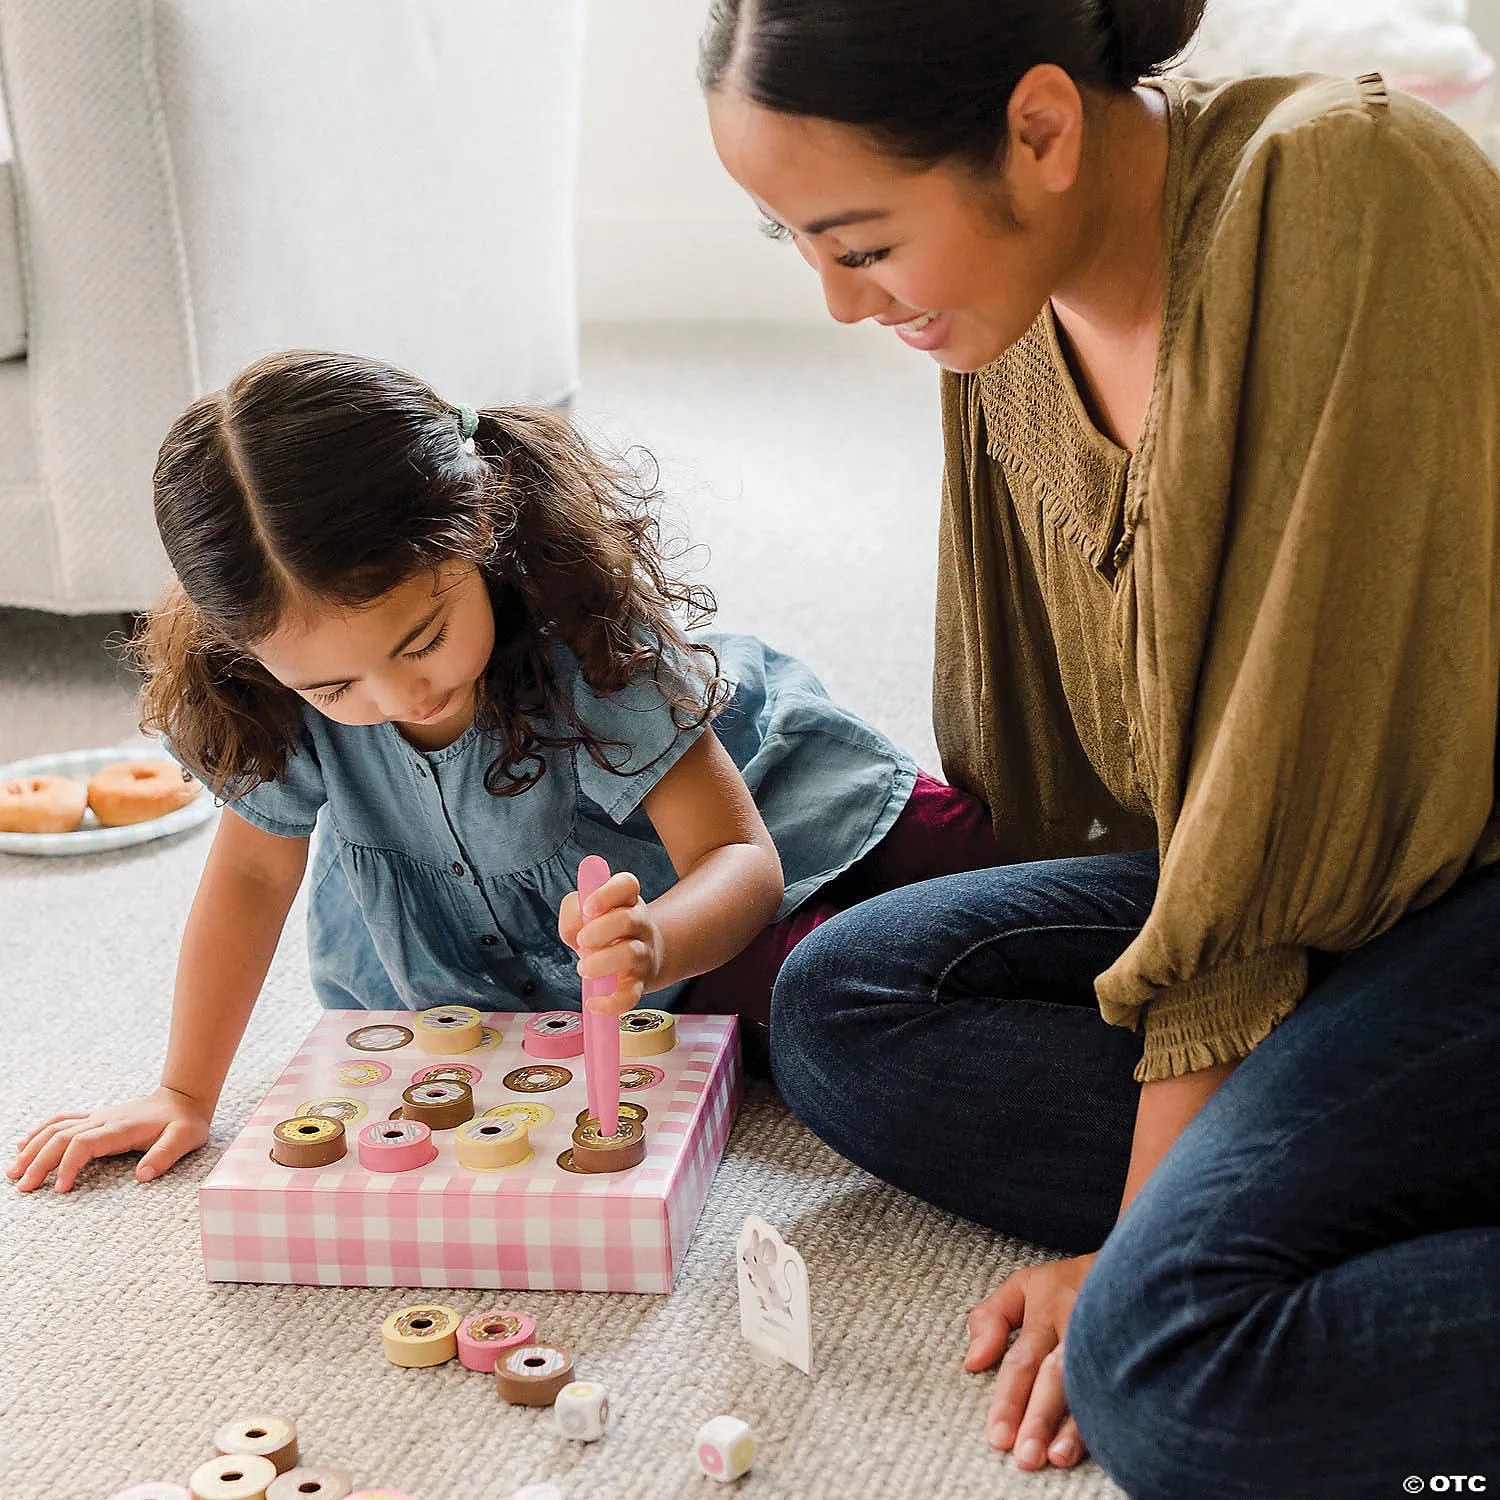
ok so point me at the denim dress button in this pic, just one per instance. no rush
(529, 988)
(457, 868)
(489, 940)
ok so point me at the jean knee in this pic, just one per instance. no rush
(809, 1007)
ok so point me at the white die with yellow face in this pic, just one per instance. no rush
(725, 1448)
(582, 1410)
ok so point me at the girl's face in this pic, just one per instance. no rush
(956, 265)
(413, 658)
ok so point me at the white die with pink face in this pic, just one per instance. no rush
(582, 1410)
(725, 1448)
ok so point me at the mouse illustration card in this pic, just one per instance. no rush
(775, 1311)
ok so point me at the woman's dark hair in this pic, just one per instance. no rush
(330, 477)
(931, 79)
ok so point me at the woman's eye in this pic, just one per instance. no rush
(857, 260)
(773, 230)
(431, 646)
(332, 697)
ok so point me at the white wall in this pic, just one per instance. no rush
(663, 232)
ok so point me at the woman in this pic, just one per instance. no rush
(1219, 643)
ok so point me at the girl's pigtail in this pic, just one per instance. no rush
(224, 715)
(587, 561)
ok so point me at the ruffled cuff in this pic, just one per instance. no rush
(1218, 1016)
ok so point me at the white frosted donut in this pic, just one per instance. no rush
(41, 804)
(135, 791)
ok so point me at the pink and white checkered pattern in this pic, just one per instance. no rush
(530, 1226)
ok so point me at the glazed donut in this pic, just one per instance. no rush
(135, 791)
(41, 804)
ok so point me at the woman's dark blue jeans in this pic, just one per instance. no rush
(1304, 1298)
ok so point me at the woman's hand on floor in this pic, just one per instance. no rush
(165, 1125)
(1029, 1410)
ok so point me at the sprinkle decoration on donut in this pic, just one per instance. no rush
(41, 804)
(541, 1079)
(136, 791)
(378, 1038)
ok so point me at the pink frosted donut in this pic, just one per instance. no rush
(41, 804)
(554, 1034)
(482, 1337)
(395, 1146)
(135, 791)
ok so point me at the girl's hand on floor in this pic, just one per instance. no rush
(165, 1125)
(1029, 1409)
(619, 936)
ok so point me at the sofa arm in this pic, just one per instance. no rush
(200, 183)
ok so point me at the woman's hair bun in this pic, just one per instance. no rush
(1146, 35)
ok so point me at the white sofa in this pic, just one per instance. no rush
(196, 182)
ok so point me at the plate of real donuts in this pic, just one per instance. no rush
(90, 801)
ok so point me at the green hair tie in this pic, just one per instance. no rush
(468, 421)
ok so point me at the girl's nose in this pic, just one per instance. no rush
(403, 699)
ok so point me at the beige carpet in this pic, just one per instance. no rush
(809, 462)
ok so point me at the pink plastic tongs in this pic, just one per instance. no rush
(601, 1033)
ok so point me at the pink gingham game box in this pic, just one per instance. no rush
(533, 1225)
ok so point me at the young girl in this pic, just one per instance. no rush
(437, 647)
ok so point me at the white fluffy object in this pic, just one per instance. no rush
(1407, 40)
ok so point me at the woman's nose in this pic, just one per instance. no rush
(851, 296)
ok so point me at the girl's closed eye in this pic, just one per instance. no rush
(431, 646)
(334, 696)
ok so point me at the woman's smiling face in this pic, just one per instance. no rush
(958, 265)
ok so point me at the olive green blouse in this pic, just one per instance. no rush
(1268, 641)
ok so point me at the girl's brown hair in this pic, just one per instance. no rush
(331, 477)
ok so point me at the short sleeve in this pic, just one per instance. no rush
(1317, 567)
(650, 735)
(288, 806)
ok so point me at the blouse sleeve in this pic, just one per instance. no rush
(1317, 573)
(999, 713)
(648, 734)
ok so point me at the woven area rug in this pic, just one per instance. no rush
(809, 462)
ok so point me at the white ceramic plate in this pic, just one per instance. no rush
(93, 837)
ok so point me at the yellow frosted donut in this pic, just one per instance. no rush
(135, 791)
(41, 804)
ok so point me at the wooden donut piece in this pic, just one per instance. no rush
(554, 1034)
(311, 1484)
(306, 1141)
(135, 791)
(629, 1110)
(448, 1029)
(439, 1103)
(646, 1033)
(489, 1145)
(533, 1374)
(41, 804)
(593, 1152)
(232, 1476)
(421, 1335)
(485, 1336)
(265, 1436)
(395, 1146)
